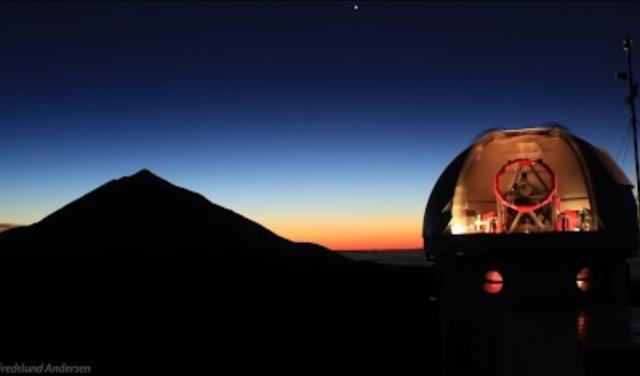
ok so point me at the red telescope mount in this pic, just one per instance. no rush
(526, 192)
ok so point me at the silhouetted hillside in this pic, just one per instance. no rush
(6, 226)
(142, 277)
(146, 214)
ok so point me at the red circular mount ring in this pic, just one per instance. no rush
(525, 162)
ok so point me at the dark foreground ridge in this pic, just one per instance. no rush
(140, 276)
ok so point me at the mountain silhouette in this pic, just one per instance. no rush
(6, 226)
(140, 276)
(144, 213)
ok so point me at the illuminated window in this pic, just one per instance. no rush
(583, 279)
(493, 282)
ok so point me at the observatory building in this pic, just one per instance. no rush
(521, 219)
(540, 195)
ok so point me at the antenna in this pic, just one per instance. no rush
(630, 99)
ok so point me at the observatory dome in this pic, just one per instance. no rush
(532, 183)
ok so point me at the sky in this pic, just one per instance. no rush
(323, 123)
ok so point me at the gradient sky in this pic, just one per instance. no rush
(323, 123)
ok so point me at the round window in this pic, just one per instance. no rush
(583, 279)
(493, 282)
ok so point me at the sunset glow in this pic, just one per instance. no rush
(352, 234)
(328, 135)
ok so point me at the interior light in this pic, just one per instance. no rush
(457, 229)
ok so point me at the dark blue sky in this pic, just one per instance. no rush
(310, 114)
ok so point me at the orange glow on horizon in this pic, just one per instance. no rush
(352, 234)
